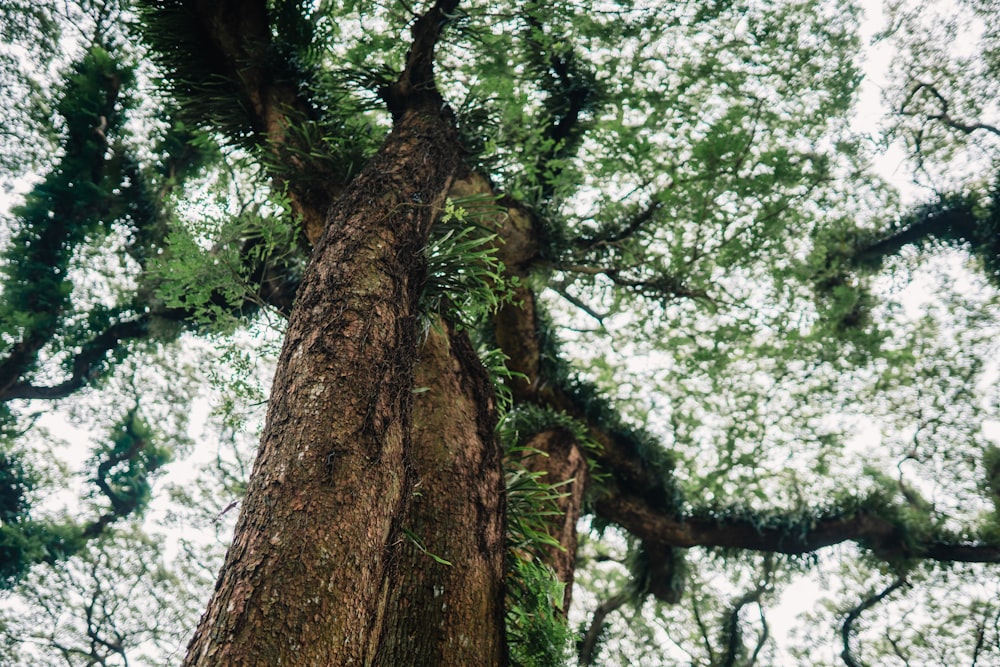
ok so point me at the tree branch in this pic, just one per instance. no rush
(133, 495)
(52, 222)
(561, 291)
(415, 86)
(847, 629)
(940, 221)
(886, 538)
(764, 634)
(943, 115)
(86, 363)
(626, 229)
(587, 650)
(734, 636)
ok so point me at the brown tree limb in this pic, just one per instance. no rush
(563, 463)
(415, 85)
(230, 43)
(884, 537)
(587, 650)
(450, 573)
(86, 363)
(847, 629)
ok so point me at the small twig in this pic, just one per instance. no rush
(581, 305)
(218, 517)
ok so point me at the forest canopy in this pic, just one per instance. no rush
(618, 333)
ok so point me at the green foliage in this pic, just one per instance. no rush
(187, 58)
(124, 465)
(16, 550)
(465, 281)
(419, 544)
(326, 140)
(212, 267)
(531, 508)
(15, 484)
(536, 630)
(69, 207)
(123, 469)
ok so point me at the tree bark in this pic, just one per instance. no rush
(450, 613)
(319, 539)
(565, 465)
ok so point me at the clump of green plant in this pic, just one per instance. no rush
(537, 633)
(465, 278)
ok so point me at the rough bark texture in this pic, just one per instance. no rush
(450, 614)
(306, 579)
(563, 463)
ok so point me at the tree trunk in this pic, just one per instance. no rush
(314, 573)
(451, 613)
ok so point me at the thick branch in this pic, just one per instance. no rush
(563, 463)
(415, 86)
(86, 363)
(884, 537)
(219, 49)
(943, 222)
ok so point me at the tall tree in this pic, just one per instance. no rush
(419, 198)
